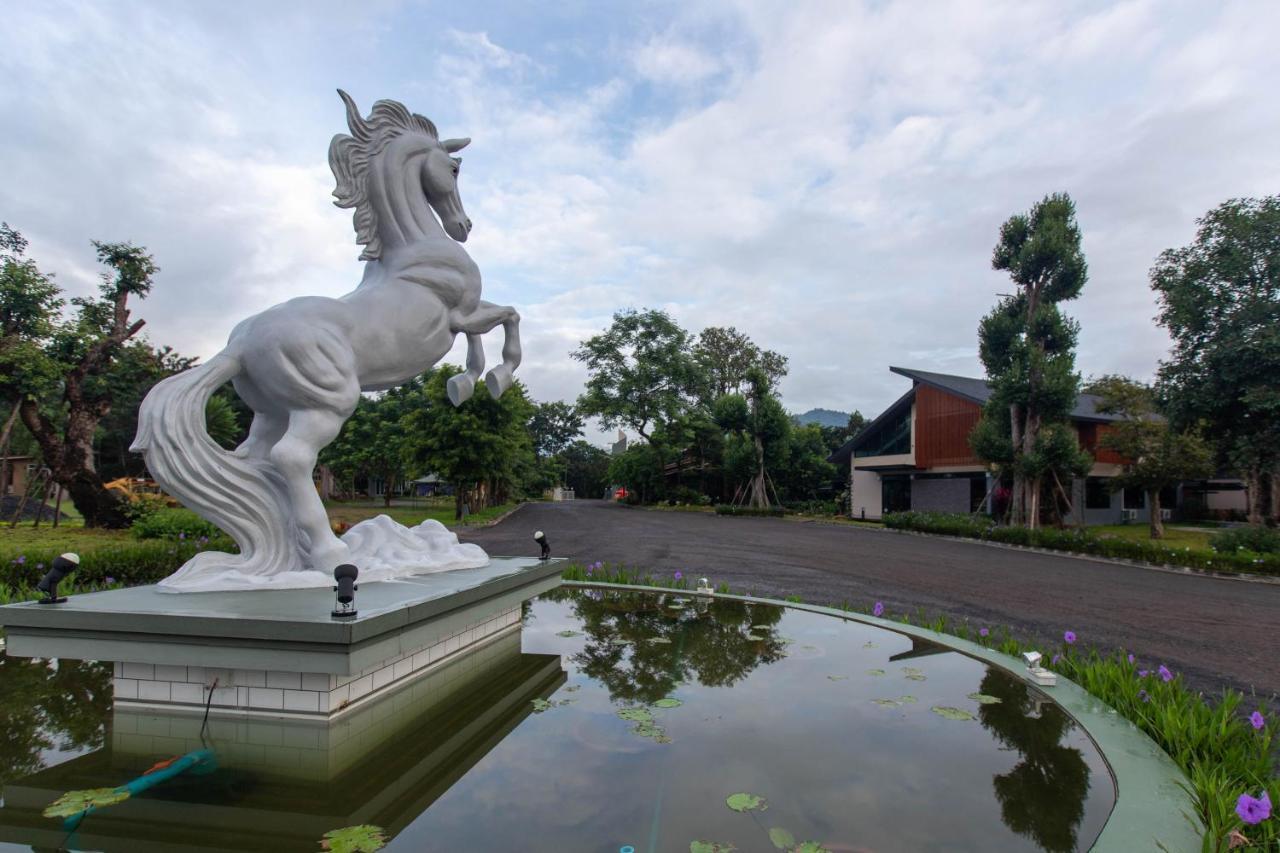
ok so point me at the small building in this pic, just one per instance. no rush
(19, 471)
(916, 455)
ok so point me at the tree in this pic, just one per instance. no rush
(373, 442)
(640, 372)
(58, 372)
(806, 473)
(553, 426)
(1220, 301)
(1028, 348)
(482, 447)
(586, 468)
(1158, 455)
(759, 427)
(725, 355)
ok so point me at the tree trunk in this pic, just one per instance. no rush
(1033, 503)
(1275, 496)
(387, 484)
(1253, 492)
(457, 501)
(99, 506)
(1157, 523)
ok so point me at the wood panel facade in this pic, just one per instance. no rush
(943, 424)
(1090, 439)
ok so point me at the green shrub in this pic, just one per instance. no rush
(729, 509)
(1078, 541)
(174, 524)
(813, 507)
(1259, 540)
(128, 563)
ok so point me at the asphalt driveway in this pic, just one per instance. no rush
(1216, 632)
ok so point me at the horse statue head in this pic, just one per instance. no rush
(388, 156)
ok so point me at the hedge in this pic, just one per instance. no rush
(729, 509)
(128, 563)
(174, 524)
(1078, 541)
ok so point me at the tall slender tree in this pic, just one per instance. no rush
(1028, 348)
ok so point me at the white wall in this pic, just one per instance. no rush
(864, 493)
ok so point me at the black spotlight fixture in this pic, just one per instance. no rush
(345, 591)
(541, 539)
(59, 569)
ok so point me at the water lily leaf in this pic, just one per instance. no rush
(568, 632)
(668, 703)
(782, 838)
(710, 847)
(754, 637)
(908, 700)
(810, 847)
(915, 676)
(662, 738)
(636, 715)
(573, 688)
(540, 705)
(875, 672)
(74, 802)
(746, 802)
(657, 640)
(365, 838)
(984, 699)
(837, 677)
(887, 703)
(564, 702)
(950, 713)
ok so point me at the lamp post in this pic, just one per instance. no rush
(61, 567)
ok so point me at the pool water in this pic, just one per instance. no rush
(612, 720)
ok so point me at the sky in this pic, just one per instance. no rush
(829, 178)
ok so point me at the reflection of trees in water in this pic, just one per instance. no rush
(1043, 796)
(43, 705)
(708, 641)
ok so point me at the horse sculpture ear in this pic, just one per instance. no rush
(452, 145)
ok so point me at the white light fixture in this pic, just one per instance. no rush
(704, 587)
(1040, 675)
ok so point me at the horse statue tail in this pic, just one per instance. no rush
(244, 496)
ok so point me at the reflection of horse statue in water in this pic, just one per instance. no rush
(302, 365)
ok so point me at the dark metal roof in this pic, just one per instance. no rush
(967, 388)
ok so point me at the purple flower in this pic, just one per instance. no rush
(1252, 810)
(1165, 674)
(1143, 673)
(21, 559)
(182, 535)
(1142, 694)
(1055, 659)
(1257, 720)
(1130, 657)
(1070, 637)
(679, 575)
(982, 632)
(589, 569)
(109, 579)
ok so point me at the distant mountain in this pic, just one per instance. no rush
(823, 417)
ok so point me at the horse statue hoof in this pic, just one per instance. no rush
(498, 380)
(461, 387)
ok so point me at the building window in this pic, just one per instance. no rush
(1097, 493)
(895, 494)
(1135, 499)
(888, 439)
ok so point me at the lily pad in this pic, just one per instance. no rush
(908, 700)
(875, 672)
(782, 838)
(540, 705)
(668, 702)
(710, 847)
(916, 677)
(836, 677)
(636, 715)
(573, 688)
(746, 802)
(658, 640)
(365, 838)
(984, 699)
(887, 703)
(568, 632)
(809, 847)
(950, 713)
(74, 802)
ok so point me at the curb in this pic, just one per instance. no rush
(1150, 796)
(463, 525)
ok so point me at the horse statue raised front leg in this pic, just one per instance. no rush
(302, 365)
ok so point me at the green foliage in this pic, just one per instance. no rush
(769, 511)
(128, 563)
(74, 802)
(638, 469)
(1220, 302)
(375, 440)
(639, 372)
(586, 468)
(175, 523)
(1258, 540)
(724, 356)
(30, 305)
(1082, 542)
(365, 838)
(553, 427)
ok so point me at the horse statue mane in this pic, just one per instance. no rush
(349, 159)
(301, 366)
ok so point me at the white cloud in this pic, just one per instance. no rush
(664, 61)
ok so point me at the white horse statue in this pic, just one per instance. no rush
(301, 367)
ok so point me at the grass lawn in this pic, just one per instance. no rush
(1197, 540)
(410, 513)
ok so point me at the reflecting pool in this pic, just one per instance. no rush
(609, 720)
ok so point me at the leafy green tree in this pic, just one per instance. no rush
(638, 469)
(374, 442)
(59, 372)
(1220, 301)
(1028, 348)
(759, 427)
(482, 447)
(1159, 455)
(135, 369)
(805, 474)
(586, 468)
(640, 372)
(725, 355)
(554, 426)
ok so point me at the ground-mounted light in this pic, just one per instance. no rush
(541, 539)
(59, 569)
(704, 587)
(345, 591)
(1040, 675)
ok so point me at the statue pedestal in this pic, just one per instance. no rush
(279, 653)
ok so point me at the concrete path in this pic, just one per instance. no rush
(1215, 632)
